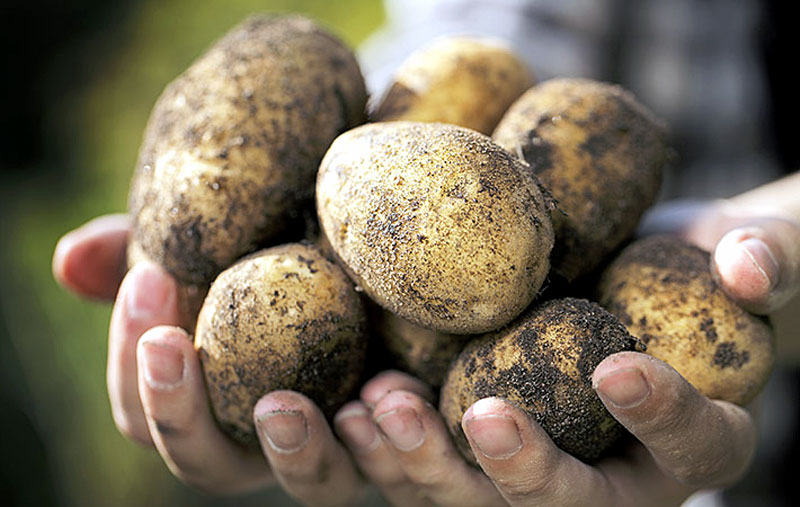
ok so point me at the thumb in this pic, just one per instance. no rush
(758, 264)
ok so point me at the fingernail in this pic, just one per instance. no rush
(163, 366)
(624, 388)
(356, 428)
(147, 296)
(762, 258)
(495, 435)
(285, 431)
(403, 428)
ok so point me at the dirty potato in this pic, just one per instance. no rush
(466, 81)
(600, 153)
(436, 223)
(282, 318)
(423, 353)
(661, 288)
(543, 362)
(232, 145)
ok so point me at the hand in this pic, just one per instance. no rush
(686, 442)
(157, 392)
(756, 257)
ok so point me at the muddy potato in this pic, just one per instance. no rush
(436, 223)
(661, 288)
(466, 81)
(282, 318)
(543, 362)
(422, 352)
(599, 152)
(232, 145)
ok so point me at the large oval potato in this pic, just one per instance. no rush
(543, 362)
(436, 223)
(661, 288)
(466, 81)
(232, 145)
(282, 318)
(600, 153)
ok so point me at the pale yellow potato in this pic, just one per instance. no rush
(543, 363)
(601, 154)
(233, 144)
(281, 318)
(661, 288)
(424, 353)
(466, 81)
(436, 223)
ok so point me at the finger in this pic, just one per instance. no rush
(524, 463)
(421, 444)
(354, 425)
(90, 260)
(758, 265)
(393, 380)
(147, 298)
(699, 442)
(178, 416)
(303, 453)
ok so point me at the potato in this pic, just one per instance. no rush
(543, 362)
(599, 152)
(282, 318)
(436, 223)
(232, 145)
(423, 353)
(466, 81)
(661, 288)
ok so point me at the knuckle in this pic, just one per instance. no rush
(431, 477)
(671, 418)
(701, 473)
(535, 484)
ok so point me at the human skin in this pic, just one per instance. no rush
(393, 437)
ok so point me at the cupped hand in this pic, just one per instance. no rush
(157, 393)
(686, 442)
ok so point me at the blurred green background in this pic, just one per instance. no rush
(79, 80)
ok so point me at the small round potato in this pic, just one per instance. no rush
(233, 144)
(436, 223)
(661, 288)
(543, 362)
(599, 152)
(282, 318)
(466, 81)
(424, 353)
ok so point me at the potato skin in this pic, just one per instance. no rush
(424, 353)
(282, 318)
(543, 363)
(436, 223)
(600, 153)
(232, 145)
(466, 81)
(661, 288)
